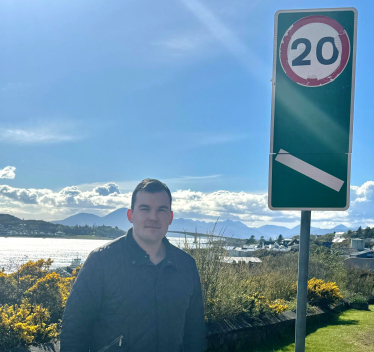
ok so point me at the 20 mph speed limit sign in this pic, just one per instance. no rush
(327, 60)
(312, 109)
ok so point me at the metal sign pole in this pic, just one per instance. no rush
(302, 283)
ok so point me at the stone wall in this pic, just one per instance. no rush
(232, 335)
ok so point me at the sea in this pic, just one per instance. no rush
(15, 251)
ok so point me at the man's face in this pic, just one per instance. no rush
(151, 216)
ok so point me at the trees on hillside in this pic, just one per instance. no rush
(251, 240)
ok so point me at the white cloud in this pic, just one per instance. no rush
(107, 189)
(31, 136)
(362, 203)
(41, 132)
(8, 172)
(248, 207)
(233, 205)
(25, 196)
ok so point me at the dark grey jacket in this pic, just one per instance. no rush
(121, 301)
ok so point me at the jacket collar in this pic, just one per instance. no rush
(138, 256)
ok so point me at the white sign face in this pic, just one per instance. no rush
(323, 39)
(314, 51)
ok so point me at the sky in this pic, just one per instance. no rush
(97, 95)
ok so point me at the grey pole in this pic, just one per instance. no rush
(302, 283)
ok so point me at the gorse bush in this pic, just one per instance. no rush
(278, 305)
(321, 293)
(52, 291)
(25, 324)
(32, 301)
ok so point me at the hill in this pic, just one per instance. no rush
(13, 226)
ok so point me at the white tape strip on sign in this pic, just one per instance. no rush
(309, 170)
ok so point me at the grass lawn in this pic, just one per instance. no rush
(352, 331)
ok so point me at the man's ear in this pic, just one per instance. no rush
(171, 217)
(129, 215)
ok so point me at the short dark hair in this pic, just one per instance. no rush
(150, 185)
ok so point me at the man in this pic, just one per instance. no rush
(137, 293)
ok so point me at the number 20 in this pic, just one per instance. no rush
(299, 61)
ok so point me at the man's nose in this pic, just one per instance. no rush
(153, 215)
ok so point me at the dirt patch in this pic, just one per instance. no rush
(366, 338)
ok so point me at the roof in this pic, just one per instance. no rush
(360, 262)
(239, 249)
(346, 250)
(359, 253)
(231, 260)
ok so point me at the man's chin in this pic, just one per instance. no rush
(151, 234)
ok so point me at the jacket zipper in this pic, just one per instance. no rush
(118, 339)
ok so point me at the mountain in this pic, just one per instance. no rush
(115, 218)
(227, 228)
(315, 230)
(342, 228)
(118, 218)
(273, 230)
(81, 219)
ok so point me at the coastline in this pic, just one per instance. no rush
(82, 237)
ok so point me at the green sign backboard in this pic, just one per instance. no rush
(312, 109)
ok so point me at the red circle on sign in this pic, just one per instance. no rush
(314, 82)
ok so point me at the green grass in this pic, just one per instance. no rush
(352, 331)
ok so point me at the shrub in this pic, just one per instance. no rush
(233, 290)
(51, 292)
(24, 324)
(326, 264)
(239, 302)
(360, 280)
(8, 289)
(321, 293)
(33, 301)
(357, 298)
(275, 277)
(278, 306)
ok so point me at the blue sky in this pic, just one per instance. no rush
(96, 96)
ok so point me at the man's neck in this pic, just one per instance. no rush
(156, 251)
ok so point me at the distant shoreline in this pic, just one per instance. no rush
(82, 237)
